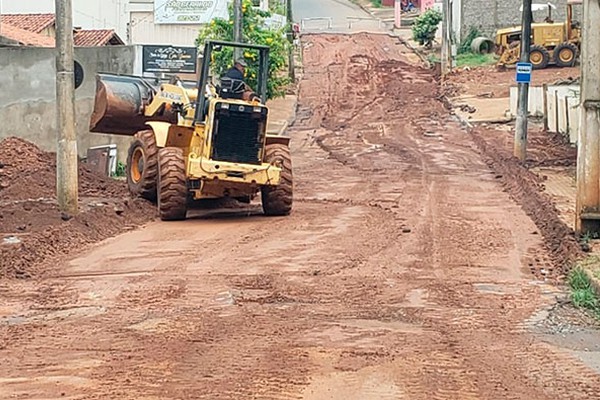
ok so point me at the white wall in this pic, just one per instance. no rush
(563, 107)
(144, 31)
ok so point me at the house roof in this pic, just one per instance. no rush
(35, 23)
(96, 37)
(25, 37)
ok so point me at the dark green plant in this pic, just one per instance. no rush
(465, 45)
(582, 291)
(254, 32)
(120, 170)
(425, 27)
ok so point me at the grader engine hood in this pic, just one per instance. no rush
(120, 105)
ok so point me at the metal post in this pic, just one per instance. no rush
(66, 154)
(238, 16)
(520, 147)
(588, 157)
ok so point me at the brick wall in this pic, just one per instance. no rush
(490, 15)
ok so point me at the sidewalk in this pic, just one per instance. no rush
(282, 112)
(386, 14)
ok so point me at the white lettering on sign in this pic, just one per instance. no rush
(524, 69)
(189, 11)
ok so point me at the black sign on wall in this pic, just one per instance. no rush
(170, 59)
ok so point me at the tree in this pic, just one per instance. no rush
(425, 27)
(254, 32)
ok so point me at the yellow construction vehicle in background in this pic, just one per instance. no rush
(551, 42)
(208, 141)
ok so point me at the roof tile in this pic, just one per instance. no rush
(96, 37)
(35, 23)
(25, 37)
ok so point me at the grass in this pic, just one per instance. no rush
(376, 3)
(475, 60)
(582, 292)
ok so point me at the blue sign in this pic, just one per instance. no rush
(524, 72)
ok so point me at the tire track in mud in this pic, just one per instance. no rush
(472, 299)
(401, 274)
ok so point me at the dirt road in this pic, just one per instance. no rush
(403, 273)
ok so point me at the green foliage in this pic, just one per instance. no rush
(254, 32)
(465, 46)
(376, 3)
(120, 172)
(475, 60)
(277, 7)
(425, 27)
(582, 292)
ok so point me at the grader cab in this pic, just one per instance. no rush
(551, 42)
(206, 141)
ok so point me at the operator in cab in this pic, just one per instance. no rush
(238, 71)
(239, 88)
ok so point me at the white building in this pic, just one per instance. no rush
(136, 21)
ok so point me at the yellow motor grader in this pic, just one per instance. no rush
(551, 42)
(203, 142)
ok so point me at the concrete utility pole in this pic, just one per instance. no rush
(588, 157)
(446, 39)
(66, 154)
(290, 22)
(238, 15)
(520, 148)
(398, 14)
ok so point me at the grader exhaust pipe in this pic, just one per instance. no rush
(120, 104)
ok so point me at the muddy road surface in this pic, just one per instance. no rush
(405, 272)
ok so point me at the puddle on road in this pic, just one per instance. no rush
(46, 316)
(152, 325)
(416, 298)
(498, 289)
(365, 384)
(359, 333)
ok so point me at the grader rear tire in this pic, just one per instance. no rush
(172, 185)
(142, 165)
(277, 200)
(539, 57)
(565, 55)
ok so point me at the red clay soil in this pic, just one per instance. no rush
(526, 187)
(30, 217)
(491, 82)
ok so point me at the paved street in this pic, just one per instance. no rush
(338, 11)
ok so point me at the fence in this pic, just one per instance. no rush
(557, 104)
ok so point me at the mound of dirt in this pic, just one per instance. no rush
(525, 187)
(29, 173)
(33, 232)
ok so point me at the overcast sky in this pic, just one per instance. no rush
(28, 6)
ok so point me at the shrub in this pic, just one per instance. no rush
(425, 27)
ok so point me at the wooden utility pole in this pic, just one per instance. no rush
(290, 23)
(520, 146)
(588, 157)
(238, 27)
(66, 152)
